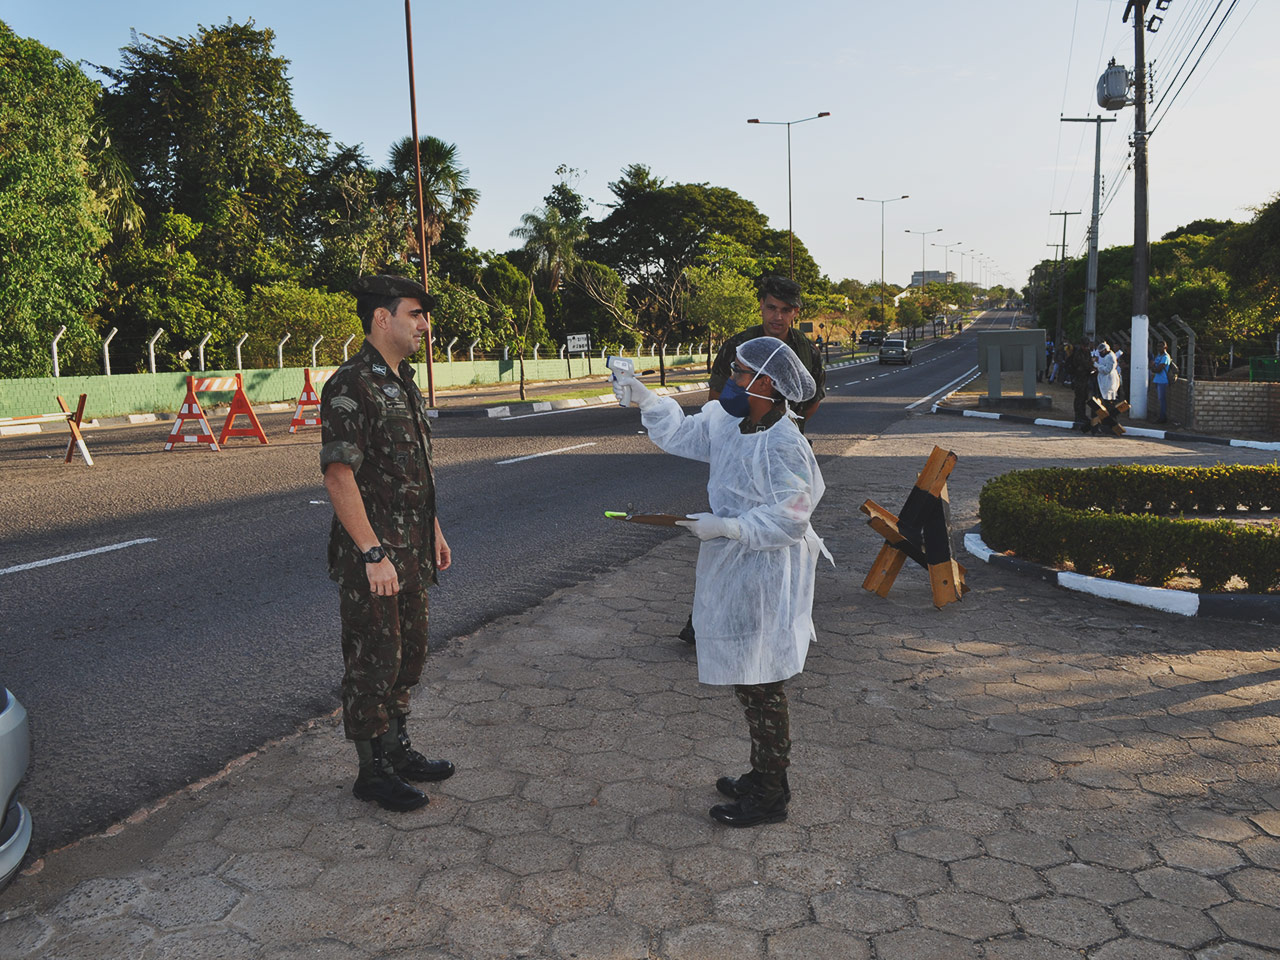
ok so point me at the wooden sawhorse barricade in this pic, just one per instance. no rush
(72, 418)
(1107, 414)
(192, 412)
(921, 532)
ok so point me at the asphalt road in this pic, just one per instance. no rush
(152, 665)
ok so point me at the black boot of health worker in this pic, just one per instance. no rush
(735, 788)
(377, 781)
(409, 764)
(766, 803)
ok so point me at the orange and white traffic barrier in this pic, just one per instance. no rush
(309, 399)
(192, 411)
(239, 408)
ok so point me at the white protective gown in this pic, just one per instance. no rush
(1108, 375)
(753, 600)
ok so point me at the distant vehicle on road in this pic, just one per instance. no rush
(870, 338)
(15, 751)
(895, 351)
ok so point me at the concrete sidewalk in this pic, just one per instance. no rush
(1027, 775)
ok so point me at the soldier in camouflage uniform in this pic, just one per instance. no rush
(780, 301)
(385, 544)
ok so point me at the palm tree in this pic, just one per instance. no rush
(445, 195)
(549, 237)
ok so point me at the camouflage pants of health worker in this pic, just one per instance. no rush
(769, 719)
(384, 645)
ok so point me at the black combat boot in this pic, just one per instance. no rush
(764, 804)
(377, 780)
(687, 634)
(409, 764)
(737, 787)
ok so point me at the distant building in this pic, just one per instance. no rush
(932, 276)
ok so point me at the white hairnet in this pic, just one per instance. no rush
(778, 362)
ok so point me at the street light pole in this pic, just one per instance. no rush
(923, 234)
(946, 255)
(882, 203)
(791, 237)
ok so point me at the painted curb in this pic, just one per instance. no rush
(1253, 607)
(1129, 431)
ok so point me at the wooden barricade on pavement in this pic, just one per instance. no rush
(921, 532)
(309, 398)
(191, 411)
(1108, 411)
(72, 418)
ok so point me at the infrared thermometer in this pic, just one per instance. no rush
(621, 366)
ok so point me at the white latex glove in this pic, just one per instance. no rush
(707, 526)
(641, 395)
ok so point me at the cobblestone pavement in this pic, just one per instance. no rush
(1027, 775)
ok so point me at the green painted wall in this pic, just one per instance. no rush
(164, 392)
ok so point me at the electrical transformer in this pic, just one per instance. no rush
(1113, 88)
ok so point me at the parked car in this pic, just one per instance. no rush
(15, 752)
(895, 351)
(870, 338)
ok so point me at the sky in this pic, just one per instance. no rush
(956, 104)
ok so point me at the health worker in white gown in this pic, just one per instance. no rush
(753, 599)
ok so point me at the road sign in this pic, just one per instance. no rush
(577, 343)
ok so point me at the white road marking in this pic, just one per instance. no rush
(968, 373)
(75, 556)
(534, 456)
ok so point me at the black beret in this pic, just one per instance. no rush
(385, 285)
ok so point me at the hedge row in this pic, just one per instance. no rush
(1114, 521)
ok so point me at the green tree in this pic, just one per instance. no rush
(598, 301)
(305, 314)
(51, 223)
(655, 233)
(446, 198)
(549, 240)
(345, 229)
(207, 125)
(157, 282)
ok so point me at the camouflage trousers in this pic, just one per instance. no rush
(384, 645)
(769, 720)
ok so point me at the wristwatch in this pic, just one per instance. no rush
(374, 554)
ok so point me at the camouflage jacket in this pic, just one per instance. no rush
(797, 341)
(375, 421)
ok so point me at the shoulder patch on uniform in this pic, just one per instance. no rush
(344, 403)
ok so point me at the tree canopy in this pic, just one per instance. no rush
(52, 224)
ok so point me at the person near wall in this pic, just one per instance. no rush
(1161, 365)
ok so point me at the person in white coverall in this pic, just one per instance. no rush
(753, 599)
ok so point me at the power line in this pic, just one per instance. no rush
(1190, 73)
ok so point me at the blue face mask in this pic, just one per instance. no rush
(735, 400)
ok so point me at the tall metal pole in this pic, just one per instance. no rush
(946, 256)
(923, 234)
(1062, 274)
(882, 203)
(422, 222)
(1139, 322)
(791, 237)
(1091, 288)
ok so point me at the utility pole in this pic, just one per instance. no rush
(417, 173)
(1091, 288)
(1062, 277)
(1141, 252)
